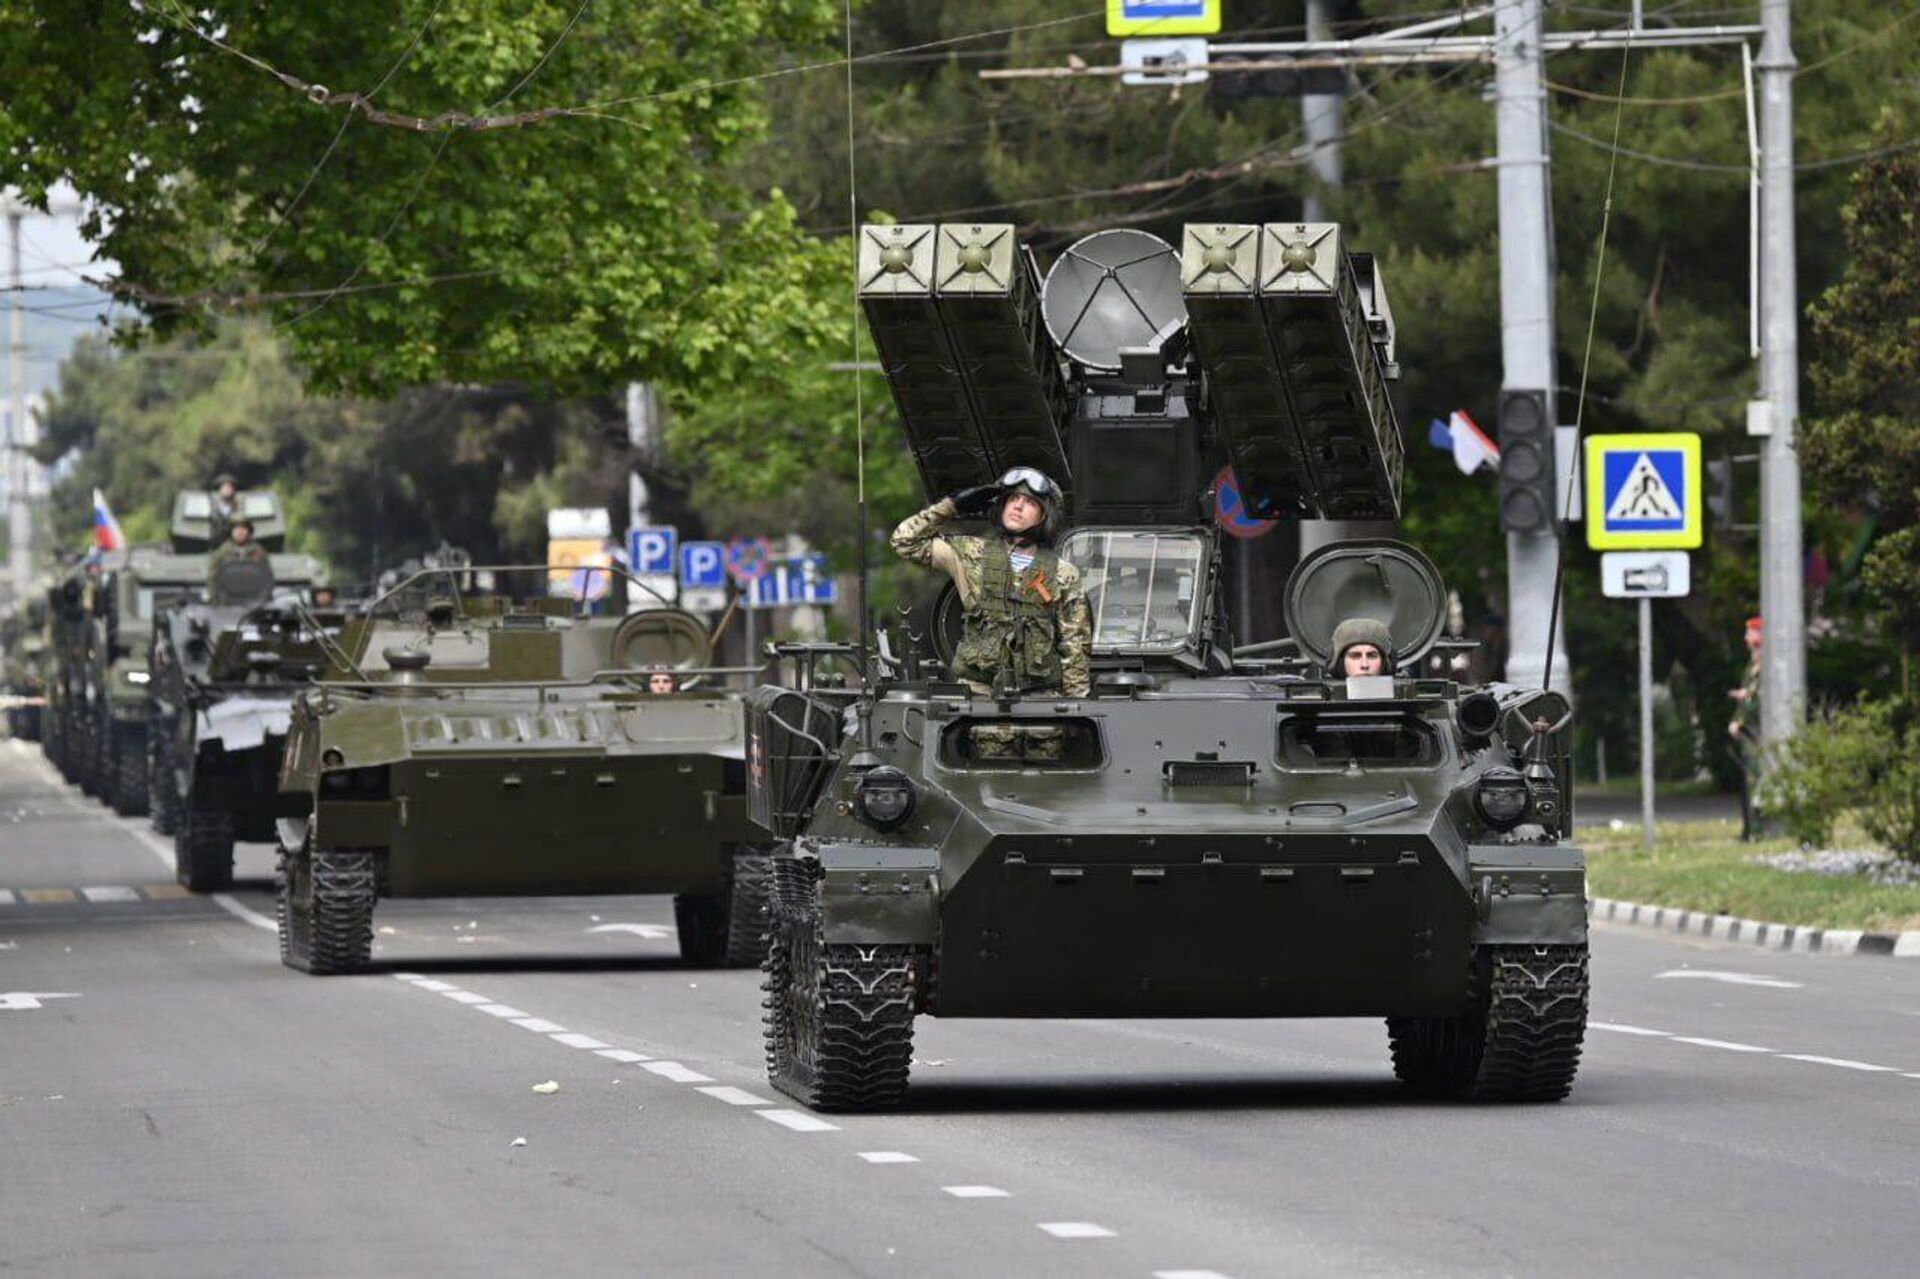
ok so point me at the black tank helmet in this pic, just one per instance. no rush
(1036, 485)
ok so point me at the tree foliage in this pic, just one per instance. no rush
(1864, 450)
(619, 242)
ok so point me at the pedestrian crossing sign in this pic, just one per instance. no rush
(1643, 492)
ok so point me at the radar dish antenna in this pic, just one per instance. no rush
(1114, 289)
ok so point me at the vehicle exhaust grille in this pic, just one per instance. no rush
(1209, 772)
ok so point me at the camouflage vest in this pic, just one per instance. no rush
(1010, 623)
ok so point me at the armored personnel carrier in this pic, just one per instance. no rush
(474, 735)
(1212, 832)
(23, 633)
(124, 591)
(62, 720)
(224, 677)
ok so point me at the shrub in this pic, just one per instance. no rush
(1864, 759)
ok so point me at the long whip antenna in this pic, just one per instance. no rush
(1586, 366)
(859, 405)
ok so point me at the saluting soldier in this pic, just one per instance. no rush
(1026, 622)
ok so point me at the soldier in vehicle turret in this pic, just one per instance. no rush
(239, 548)
(225, 494)
(1026, 621)
(1362, 646)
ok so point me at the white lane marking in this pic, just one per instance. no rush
(574, 1039)
(977, 1192)
(438, 987)
(110, 893)
(1911, 1075)
(1842, 1062)
(733, 1096)
(538, 1025)
(6, 897)
(1075, 1230)
(626, 1055)
(1188, 1274)
(1721, 1043)
(466, 997)
(651, 932)
(26, 1001)
(164, 851)
(889, 1157)
(797, 1120)
(677, 1073)
(1731, 978)
(501, 1010)
(406, 976)
(1619, 1028)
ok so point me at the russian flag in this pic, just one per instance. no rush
(106, 530)
(1471, 447)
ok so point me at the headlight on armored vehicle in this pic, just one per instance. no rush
(884, 797)
(1501, 797)
(138, 677)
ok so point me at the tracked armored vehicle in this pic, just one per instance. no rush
(224, 677)
(23, 632)
(1211, 833)
(474, 736)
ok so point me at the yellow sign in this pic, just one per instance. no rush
(1163, 17)
(1643, 492)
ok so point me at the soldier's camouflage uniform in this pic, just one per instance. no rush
(1033, 625)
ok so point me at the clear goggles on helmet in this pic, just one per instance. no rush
(1027, 477)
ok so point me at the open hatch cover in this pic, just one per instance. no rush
(1378, 578)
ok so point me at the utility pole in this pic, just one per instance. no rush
(19, 465)
(1526, 315)
(1783, 665)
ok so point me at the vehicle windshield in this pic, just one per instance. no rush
(1143, 587)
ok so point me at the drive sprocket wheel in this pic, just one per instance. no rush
(1519, 1039)
(325, 910)
(839, 1018)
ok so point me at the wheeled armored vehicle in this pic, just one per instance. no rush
(473, 737)
(224, 676)
(1212, 832)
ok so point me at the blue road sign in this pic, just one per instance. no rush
(703, 564)
(652, 550)
(804, 579)
(1230, 510)
(1643, 492)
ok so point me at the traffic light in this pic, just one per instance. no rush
(1720, 492)
(1527, 502)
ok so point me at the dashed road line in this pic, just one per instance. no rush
(626, 1055)
(797, 1120)
(1075, 1230)
(1726, 1044)
(574, 1039)
(674, 1071)
(436, 986)
(109, 893)
(466, 997)
(6, 897)
(977, 1192)
(733, 1096)
(1842, 1063)
(501, 1010)
(1620, 1028)
(538, 1025)
(889, 1157)
(1188, 1274)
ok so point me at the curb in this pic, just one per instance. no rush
(1782, 937)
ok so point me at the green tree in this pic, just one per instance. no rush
(1862, 450)
(612, 238)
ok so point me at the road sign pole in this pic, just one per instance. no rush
(1646, 721)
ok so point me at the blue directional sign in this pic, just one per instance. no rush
(1163, 17)
(1643, 492)
(652, 550)
(803, 579)
(703, 564)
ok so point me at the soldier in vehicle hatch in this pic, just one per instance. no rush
(238, 548)
(1026, 618)
(1362, 646)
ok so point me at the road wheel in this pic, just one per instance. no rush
(325, 908)
(163, 786)
(128, 793)
(203, 848)
(839, 1018)
(87, 759)
(1518, 1040)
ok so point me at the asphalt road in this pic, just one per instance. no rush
(174, 1102)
